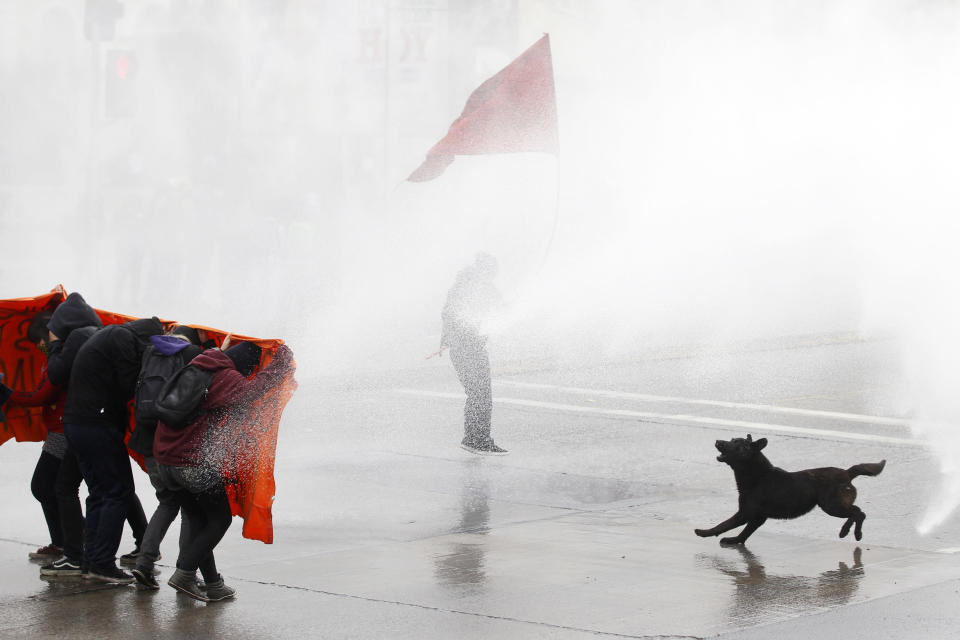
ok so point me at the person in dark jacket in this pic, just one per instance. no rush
(70, 326)
(470, 301)
(191, 459)
(102, 382)
(182, 343)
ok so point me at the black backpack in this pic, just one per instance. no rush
(178, 403)
(155, 369)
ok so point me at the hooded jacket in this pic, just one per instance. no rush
(141, 440)
(229, 390)
(73, 322)
(104, 374)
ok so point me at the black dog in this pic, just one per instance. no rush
(767, 491)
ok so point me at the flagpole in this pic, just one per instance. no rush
(556, 219)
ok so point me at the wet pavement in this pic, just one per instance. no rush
(386, 529)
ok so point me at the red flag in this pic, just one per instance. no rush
(515, 110)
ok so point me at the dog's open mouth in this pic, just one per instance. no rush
(719, 444)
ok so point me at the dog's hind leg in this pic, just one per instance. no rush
(840, 505)
(748, 530)
(732, 522)
(857, 518)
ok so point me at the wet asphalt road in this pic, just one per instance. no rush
(386, 529)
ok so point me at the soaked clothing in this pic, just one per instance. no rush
(229, 392)
(168, 501)
(472, 365)
(470, 301)
(191, 459)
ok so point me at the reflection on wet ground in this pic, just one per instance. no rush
(758, 593)
(463, 566)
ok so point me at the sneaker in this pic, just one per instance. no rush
(217, 591)
(130, 559)
(146, 576)
(186, 582)
(484, 449)
(109, 573)
(49, 551)
(62, 567)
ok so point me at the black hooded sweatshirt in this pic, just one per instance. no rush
(104, 375)
(73, 322)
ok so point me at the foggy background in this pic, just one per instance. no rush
(729, 172)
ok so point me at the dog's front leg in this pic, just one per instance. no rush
(734, 521)
(748, 530)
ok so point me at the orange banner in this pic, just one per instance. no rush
(21, 364)
(248, 468)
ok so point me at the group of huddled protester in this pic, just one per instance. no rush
(94, 375)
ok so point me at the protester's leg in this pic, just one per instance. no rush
(473, 368)
(192, 518)
(86, 449)
(137, 520)
(67, 487)
(43, 488)
(136, 517)
(168, 505)
(170, 496)
(483, 392)
(102, 456)
(208, 515)
(216, 506)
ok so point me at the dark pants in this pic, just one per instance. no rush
(206, 516)
(67, 487)
(136, 516)
(168, 506)
(472, 365)
(105, 466)
(43, 488)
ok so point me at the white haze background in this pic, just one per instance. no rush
(728, 171)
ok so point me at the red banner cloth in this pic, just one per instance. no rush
(514, 111)
(247, 467)
(21, 364)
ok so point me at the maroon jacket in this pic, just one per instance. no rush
(228, 390)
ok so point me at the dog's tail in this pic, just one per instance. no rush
(866, 469)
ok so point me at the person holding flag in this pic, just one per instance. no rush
(469, 304)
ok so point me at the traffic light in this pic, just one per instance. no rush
(120, 88)
(100, 19)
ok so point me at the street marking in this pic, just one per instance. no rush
(851, 417)
(706, 422)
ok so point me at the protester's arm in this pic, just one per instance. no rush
(44, 394)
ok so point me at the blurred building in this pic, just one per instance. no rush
(262, 122)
